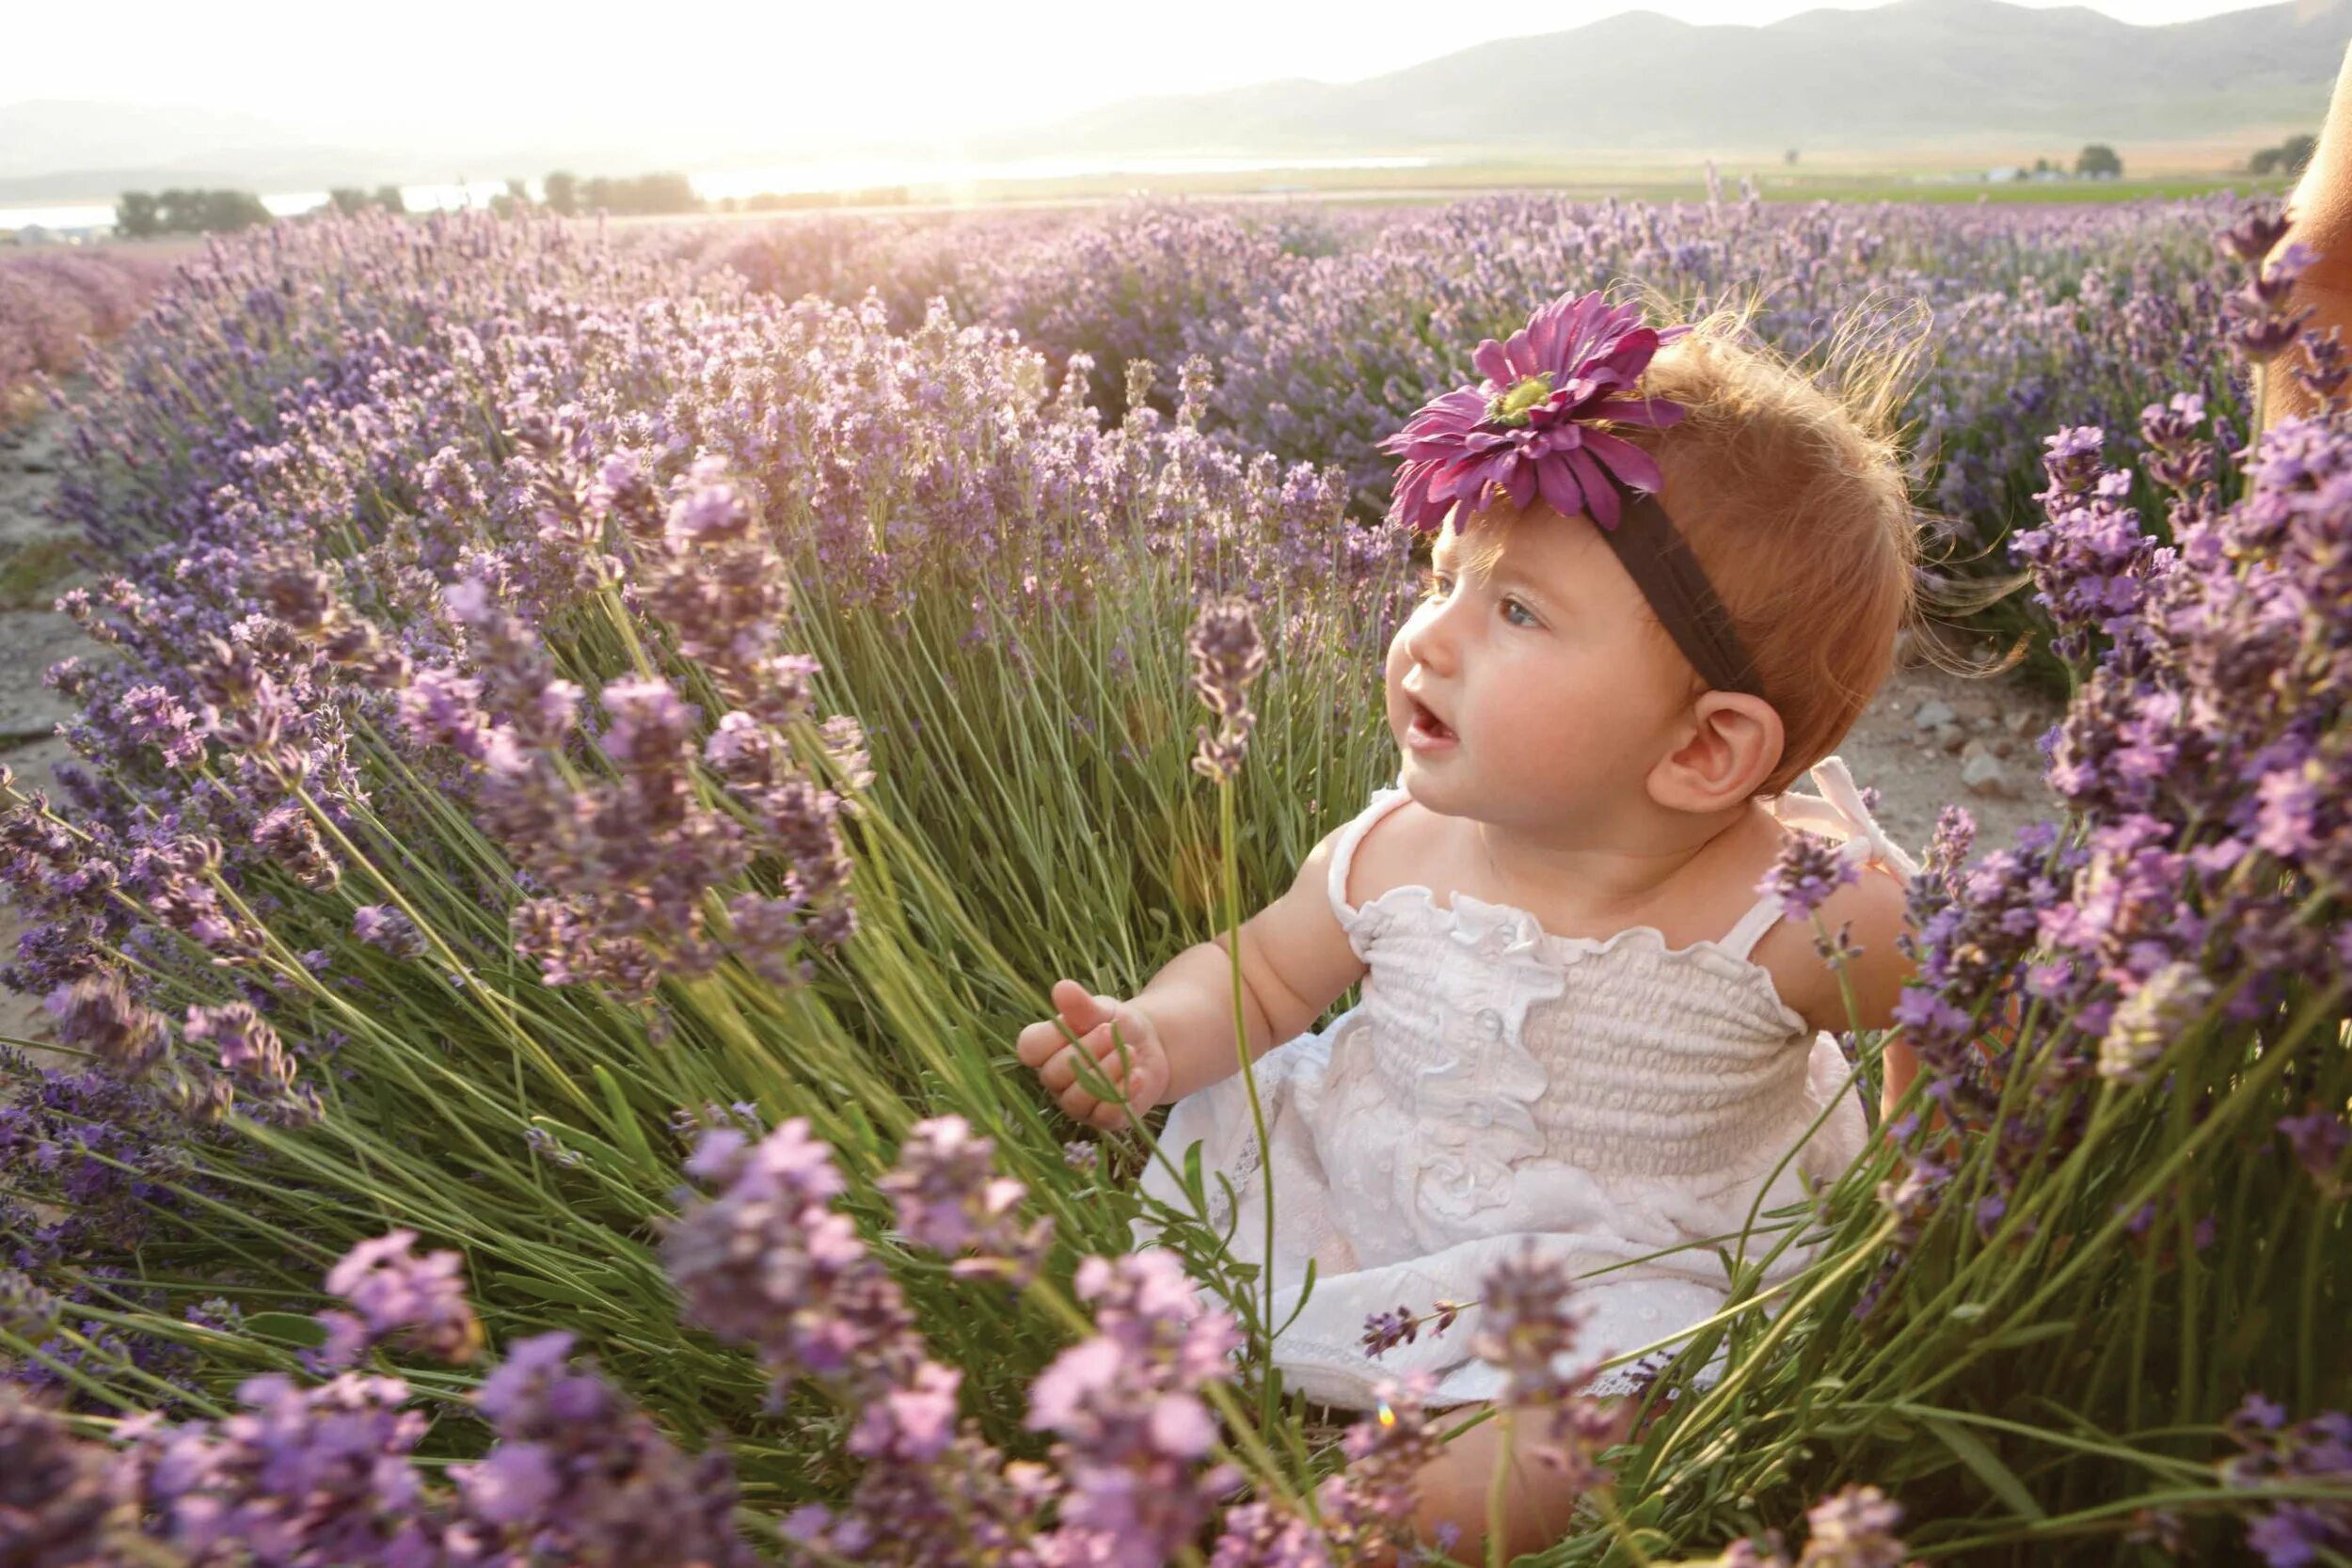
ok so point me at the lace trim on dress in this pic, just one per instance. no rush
(1247, 1168)
(1838, 809)
(1474, 1103)
(1466, 910)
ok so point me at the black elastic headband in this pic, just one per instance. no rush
(1663, 566)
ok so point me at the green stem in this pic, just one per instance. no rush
(1627, 1536)
(1249, 1074)
(496, 1003)
(1496, 1534)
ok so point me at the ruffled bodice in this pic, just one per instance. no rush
(1496, 1082)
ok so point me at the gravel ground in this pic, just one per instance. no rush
(32, 638)
(1930, 739)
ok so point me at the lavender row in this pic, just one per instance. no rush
(54, 306)
(1336, 324)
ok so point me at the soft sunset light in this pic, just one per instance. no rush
(724, 75)
(1231, 785)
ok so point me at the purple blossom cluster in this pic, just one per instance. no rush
(2291, 1533)
(55, 1500)
(768, 1260)
(1527, 1327)
(92, 1160)
(767, 1256)
(949, 1199)
(1852, 1527)
(396, 1295)
(1156, 281)
(330, 1473)
(1133, 1429)
(1807, 871)
(576, 1476)
(2201, 764)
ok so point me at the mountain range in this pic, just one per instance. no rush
(1910, 75)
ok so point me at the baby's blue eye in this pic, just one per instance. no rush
(1436, 589)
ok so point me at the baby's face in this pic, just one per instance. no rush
(1558, 690)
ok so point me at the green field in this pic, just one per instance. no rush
(1652, 181)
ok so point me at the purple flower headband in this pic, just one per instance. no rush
(1532, 428)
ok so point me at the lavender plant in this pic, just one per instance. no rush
(566, 714)
(458, 772)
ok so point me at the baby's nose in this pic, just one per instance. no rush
(1427, 645)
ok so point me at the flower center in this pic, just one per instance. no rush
(1511, 407)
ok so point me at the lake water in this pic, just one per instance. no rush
(832, 175)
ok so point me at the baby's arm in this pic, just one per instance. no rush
(1295, 961)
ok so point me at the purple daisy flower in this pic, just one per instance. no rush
(1530, 427)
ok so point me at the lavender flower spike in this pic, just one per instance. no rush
(420, 1299)
(1228, 654)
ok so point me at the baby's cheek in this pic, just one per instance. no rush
(1400, 662)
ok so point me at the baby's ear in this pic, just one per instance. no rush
(1733, 745)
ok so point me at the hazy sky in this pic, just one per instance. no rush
(782, 68)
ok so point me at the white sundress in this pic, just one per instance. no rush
(1497, 1085)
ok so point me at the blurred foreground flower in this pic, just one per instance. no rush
(1227, 654)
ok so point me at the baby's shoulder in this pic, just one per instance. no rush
(1399, 848)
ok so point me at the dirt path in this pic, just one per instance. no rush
(34, 566)
(1930, 737)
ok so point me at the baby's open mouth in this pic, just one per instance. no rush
(1427, 724)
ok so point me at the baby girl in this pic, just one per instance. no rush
(1669, 572)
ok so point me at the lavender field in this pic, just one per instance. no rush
(593, 744)
(54, 306)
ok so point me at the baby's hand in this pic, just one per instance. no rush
(1092, 1019)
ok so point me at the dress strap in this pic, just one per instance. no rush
(1384, 799)
(1837, 811)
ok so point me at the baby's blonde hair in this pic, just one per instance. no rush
(1789, 484)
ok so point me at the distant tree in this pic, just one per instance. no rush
(514, 201)
(137, 214)
(227, 210)
(390, 198)
(1790, 156)
(2295, 153)
(564, 192)
(2042, 166)
(2099, 160)
(348, 198)
(2291, 157)
(196, 211)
